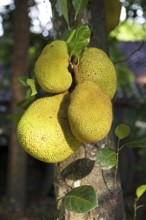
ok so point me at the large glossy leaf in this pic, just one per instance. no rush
(106, 158)
(78, 169)
(140, 190)
(122, 131)
(81, 199)
(78, 40)
(65, 10)
(79, 5)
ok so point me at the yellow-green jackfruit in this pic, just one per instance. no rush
(89, 112)
(51, 68)
(44, 131)
(96, 66)
(112, 13)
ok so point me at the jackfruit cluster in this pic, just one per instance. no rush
(54, 127)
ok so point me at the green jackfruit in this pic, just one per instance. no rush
(96, 66)
(112, 13)
(89, 112)
(44, 131)
(51, 68)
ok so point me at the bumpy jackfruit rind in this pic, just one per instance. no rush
(89, 113)
(44, 131)
(96, 66)
(51, 68)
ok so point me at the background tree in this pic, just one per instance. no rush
(16, 182)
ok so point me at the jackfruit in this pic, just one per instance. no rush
(96, 66)
(51, 68)
(89, 112)
(44, 131)
(112, 13)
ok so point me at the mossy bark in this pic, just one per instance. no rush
(79, 169)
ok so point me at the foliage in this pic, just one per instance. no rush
(129, 30)
(78, 6)
(122, 131)
(106, 158)
(78, 39)
(125, 77)
(139, 192)
(31, 92)
(80, 199)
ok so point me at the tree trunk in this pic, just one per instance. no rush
(16, 179)
(79, 169)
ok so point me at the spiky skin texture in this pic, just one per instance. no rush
(89, 112)
(96, 66)
(51, 68)
(112, 13)
(44, 131)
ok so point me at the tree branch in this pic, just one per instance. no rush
(129, 56)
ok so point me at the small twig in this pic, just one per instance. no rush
(106, 182)
(140, 206)
(135, 208)
(76, 70)
(118, 151)
(129, 56)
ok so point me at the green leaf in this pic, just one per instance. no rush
(79, 40)
(23, 80)
(67, 35)
(122, 131)
(78, 169)
(140, 190)
(31, 83)
(79, 5)
(27, 100)
(140, 142)
(65, 10)
(28, 95)
(81, 199)
(106, 158)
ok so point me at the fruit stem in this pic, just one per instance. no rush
(76, 70)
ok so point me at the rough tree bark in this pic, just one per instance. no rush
(16, 179)
(79, 169)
